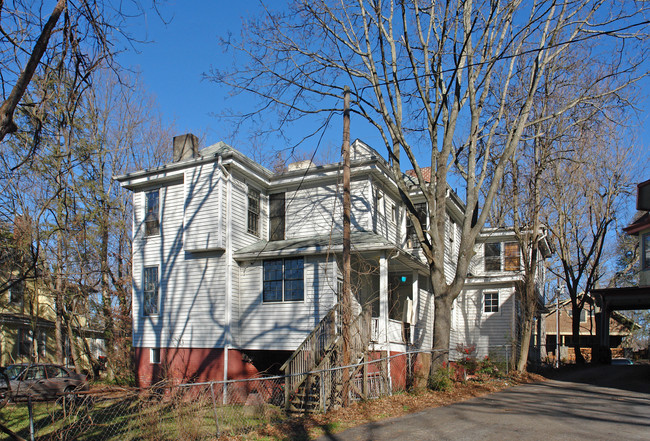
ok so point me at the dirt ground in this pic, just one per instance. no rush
(313, 426)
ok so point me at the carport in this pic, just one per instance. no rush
(615, 299)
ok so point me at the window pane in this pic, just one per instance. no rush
(511, 251)
(272, 291)
(272, 270)
(253, 211)
(491, 302)
(276, 214)
(151, 290)
(492, 256)
(293, 290)
(152, 214)
(293, 268)
(293, 279)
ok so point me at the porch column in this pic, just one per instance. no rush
(416, 301)
(383, 298)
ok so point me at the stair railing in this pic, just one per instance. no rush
(310, 353)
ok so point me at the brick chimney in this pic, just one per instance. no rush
(186, 147)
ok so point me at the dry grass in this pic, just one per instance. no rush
(313, 426)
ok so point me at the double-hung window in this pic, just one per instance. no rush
(152, 213)
(151, 289)
(492, 256)
(502, 256)
(276, 216)
(254, 212)
(491, 302)
(284, 280)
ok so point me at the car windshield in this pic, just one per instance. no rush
(14, 370)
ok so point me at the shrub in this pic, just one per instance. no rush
(441, 379)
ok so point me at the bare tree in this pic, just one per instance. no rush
(81, 34)
(585, 194)
(434, 79)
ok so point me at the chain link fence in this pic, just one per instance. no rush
(221, 409)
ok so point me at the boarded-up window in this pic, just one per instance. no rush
(511, 250)
(492, 256)
(276, 213)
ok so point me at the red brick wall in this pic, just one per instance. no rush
(195, 365)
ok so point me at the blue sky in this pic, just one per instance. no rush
(181, 50)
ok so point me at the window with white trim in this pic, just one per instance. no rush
(254, 212)
(154, 355)
(491, 302)
(501, 256)
(152, 213)
(283, 280)
(492, 256)
(151, 291)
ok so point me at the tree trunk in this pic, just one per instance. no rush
(575, 327)
(526, 334)
(441, 332)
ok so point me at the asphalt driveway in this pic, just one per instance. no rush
(600, 403)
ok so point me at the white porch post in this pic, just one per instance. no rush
(416, 300)
(383, 298)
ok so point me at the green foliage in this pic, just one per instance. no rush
(442, 379)
(487, 367)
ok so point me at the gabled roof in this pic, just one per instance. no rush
(638, 225)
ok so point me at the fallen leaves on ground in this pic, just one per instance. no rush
(313, 426)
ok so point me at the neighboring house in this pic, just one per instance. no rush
(619, 328)
(235, 265)
(27, 323)
(610, 300)
(487, 315)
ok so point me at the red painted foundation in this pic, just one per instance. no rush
(190, 365)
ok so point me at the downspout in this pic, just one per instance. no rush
(228, 255)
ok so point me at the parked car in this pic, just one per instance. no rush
(621, 362)
(40, 381)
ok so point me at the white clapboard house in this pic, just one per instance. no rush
(236, 267)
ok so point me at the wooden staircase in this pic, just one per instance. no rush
(312, 383)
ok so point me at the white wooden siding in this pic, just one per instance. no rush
(192, 285)
(472, 326)
(317, 210)
(283, 325)
(203, 209)
(423, 338)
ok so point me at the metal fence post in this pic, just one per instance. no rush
(30, 409)
(507, 360)
(214, 408)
